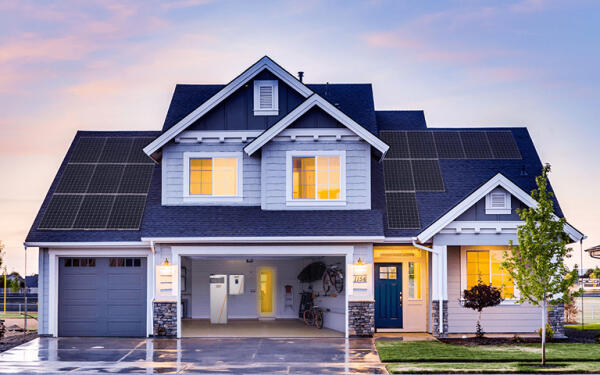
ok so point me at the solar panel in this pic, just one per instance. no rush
(75, 178)
(87, 150)
(397, 175)
(402, 212)
(136, 178)
(421, 145)
(106, 178)
(397, 142)
(503, 145)
(137, 154)
(427, 175)
(476, 145)
(127, 212)
(116, 150)
(61, 212)
(448, 145)
(94, 212)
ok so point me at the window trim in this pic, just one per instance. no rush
(506, 210)
(187, 197)
(274, 110)
(290, 201)
(419, 280)
(463, 272)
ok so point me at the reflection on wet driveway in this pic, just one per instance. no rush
(193, 355)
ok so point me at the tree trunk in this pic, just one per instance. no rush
(544, 315)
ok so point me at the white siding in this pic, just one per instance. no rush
(358, 173)
(503, 318)
(43, 328)
(172, 172)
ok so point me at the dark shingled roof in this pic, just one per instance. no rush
(461, 178)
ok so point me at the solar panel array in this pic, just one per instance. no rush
(412, 164)
(103, 186)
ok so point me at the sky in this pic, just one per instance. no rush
(113, 65)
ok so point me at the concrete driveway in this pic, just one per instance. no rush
(194, 355)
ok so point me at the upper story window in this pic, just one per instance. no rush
(498, 202)
(266, 102)
(316, 177)
(212, 176)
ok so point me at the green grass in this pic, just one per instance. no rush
(492, 368)
(17, 315)
(586, 327)
(435, 351)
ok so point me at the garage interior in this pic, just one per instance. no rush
(264, 301)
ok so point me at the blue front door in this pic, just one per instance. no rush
(388, 295)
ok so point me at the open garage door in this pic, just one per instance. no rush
(102, 296)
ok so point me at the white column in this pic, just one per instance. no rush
(439, 279)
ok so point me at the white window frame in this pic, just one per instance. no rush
(463, 275)
(290, 201)
(505, 210)
(274, 110)
(212, 198)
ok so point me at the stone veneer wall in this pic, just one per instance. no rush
(435, 318)
(556, 319)
(361, 318)
(165, 318)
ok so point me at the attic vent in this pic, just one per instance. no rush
(497, 203)
(265, 98)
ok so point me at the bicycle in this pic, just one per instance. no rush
(314, 316)
(333, 279)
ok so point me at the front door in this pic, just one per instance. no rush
(265, 300)
(388, 295)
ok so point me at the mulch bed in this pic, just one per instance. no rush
(14, 339)
(573, 336)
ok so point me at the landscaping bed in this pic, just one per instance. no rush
(443, 357)
(12, 339)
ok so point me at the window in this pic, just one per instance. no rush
(266, 98)
(485, 265)
(124, 262)
(387, 273)
(498, 203)
(414, 280)
(316, 177)
(212, 176)
(80, 262)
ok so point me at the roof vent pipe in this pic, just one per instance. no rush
(300, 76)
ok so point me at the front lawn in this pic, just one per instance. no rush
(587, 327)
(17, 315)
(436, 357)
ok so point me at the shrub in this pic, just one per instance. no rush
(478, 298)
(549, 332)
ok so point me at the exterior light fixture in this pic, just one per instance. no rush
(165, 263)
(359, 262)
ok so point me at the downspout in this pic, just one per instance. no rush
(439, 285)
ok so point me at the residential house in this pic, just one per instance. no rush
(263, 176)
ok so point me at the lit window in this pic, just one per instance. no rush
(414, 280)
(485, 265)
(213, 176)
(316, 177)
(387, 273)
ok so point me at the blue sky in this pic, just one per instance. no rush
(113, 65)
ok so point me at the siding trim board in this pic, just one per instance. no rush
(264, 63)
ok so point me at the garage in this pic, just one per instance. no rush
(102, 296)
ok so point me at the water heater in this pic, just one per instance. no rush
(218, 299)
(236, 284)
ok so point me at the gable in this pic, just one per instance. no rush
(477, 212)
(316, 118)
(236, 111)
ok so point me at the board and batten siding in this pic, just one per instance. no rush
(173, 165)
(358, 174)
(43, 292)
(523, 318)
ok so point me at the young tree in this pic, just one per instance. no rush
(478, 298)
(537, 263)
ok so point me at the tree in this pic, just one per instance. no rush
(537, 263)
(15, 285)
(595, 274)
(478, 298)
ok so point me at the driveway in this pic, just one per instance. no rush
(194, 355)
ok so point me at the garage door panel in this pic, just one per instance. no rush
(102, 300)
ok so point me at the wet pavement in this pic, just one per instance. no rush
(193, 356)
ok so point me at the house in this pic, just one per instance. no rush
(263, 176)
(32, 284)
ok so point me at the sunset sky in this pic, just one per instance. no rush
(112, 65)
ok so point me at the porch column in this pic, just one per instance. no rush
(439, 295)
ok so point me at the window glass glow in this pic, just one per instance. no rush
(486, 266)
(414, 280)
(213, 176)
(316, 177)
